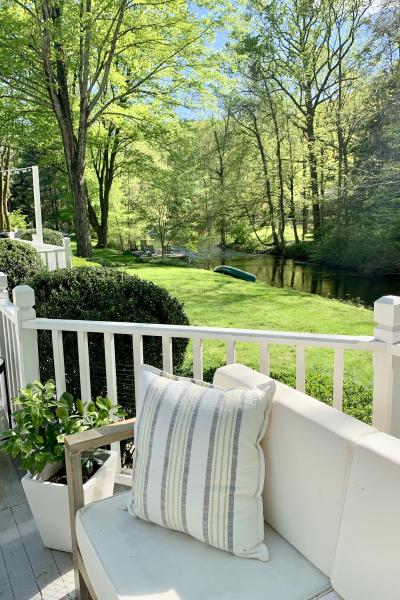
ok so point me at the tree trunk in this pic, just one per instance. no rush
(105, 167)
(267, 183)
(81, 211)
(5, 160)
(280, 171)
(75, 161)
(293, 210)
(313, 165)
(74, 145)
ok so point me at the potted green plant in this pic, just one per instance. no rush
(41, 422)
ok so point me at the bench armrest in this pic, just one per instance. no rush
(74, 446)
(100, 436)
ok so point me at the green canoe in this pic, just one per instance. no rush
(234, 272)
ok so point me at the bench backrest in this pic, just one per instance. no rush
(367, 560)
(308, 450)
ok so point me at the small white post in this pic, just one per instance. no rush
(386, 397)
(3, 296)
(3, 286)
(38, 206)
(28, 354)
(68, 252)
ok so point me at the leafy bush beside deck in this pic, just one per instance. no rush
(19, 262)
(98, 294)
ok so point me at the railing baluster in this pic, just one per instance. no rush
(230, 352)
(84, 366)
(197, 358)
(137, 341)
(111, 371)
(300, 368)
(264, 358)
(111, 378)
(13, 362)
(167, 354)
(10, 355)
(338, 373)
(58, 357)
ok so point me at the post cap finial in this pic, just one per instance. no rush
(23, 296)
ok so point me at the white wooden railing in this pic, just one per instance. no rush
(18, 340)
(54, 257)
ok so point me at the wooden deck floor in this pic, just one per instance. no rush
(28, 570)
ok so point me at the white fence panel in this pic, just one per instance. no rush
(18, 342)
(54, 257)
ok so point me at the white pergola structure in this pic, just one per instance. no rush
(36, 197)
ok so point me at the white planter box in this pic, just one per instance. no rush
(49, 502)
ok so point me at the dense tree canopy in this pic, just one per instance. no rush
(285, 131)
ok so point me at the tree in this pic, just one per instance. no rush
(5, 164)
(166, 201)
(302, 47)
(80, 59)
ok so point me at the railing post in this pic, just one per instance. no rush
(386, 396)
(28, 354)
(68, 252)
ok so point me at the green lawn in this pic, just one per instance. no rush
(217, 300)
(265, 234)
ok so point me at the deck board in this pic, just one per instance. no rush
(5, 585)
(28, 570)
(20, 574)
(11, 482)
(44, 567)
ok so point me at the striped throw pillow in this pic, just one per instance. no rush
(198, 465)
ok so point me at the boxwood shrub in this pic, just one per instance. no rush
(100, 294)
(19, 261)
(50, 236)
(357, 395)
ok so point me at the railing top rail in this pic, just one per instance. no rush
(43, 247)
(49, 248)
(368, 343)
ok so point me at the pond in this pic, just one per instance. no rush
(308, 277)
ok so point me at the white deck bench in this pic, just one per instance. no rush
(332, 510)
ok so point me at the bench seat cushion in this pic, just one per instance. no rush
(131, 559)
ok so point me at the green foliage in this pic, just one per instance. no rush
(19, 261)
(42, 421)
(102, 294)
(18, 220)
(357, 396)
(226, 302)
(50, 236)
(360, 248)
(299, 250)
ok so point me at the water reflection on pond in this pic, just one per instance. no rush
(311, 278)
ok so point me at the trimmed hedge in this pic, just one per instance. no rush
(50, 236)
(100, 294)
(357, 396)
(19, 262)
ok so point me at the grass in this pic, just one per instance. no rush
(265, 233)
(215, 300)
